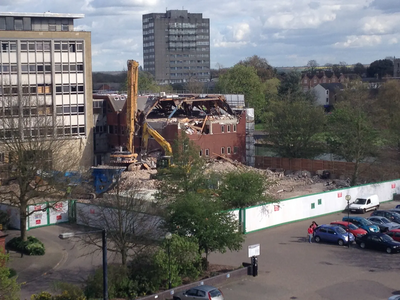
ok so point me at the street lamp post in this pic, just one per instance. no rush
(168, 237)
(348, 197)
(67, 235)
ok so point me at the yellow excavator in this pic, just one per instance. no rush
(129, 157)
(147, 131)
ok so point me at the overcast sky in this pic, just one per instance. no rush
(285, 32)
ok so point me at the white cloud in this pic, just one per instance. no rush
(360, 41)
(285, 32)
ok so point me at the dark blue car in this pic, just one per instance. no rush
(333, 234)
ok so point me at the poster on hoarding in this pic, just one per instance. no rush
(59, 212)
(39, 215)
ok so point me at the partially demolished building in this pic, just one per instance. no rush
(218, 128)
(208, 120)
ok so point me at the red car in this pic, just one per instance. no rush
(356, 231)
(394, 234)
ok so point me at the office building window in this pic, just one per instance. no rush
(18, 24)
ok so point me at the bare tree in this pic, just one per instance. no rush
(130, 217)
(34, 156)
(312, 65)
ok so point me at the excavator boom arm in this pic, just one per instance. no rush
(131, 102)
(148, 130)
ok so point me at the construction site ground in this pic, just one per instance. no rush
(283, 184)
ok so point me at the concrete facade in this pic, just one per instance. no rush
(176, 46)
(46, 80)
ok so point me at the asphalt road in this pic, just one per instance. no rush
(291, 268)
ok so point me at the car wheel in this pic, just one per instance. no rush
(362, 245)
(317, 239)
(388, 250)
(340, 242)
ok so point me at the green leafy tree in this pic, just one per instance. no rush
(380, 68)
(294, 126)
(243, 79)
(184, 260)
(351, 132)
(359, 69)
(264, 70)
(9, 288)
(199, 216)
(240, 189)
(290, 83)
(185, 174)
(387, 110)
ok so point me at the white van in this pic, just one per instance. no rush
(364, 204)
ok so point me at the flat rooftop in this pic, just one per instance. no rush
(41, 15)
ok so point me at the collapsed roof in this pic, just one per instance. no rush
(187, 105)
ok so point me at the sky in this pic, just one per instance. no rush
(285, 32)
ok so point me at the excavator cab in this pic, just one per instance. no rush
(164, 162)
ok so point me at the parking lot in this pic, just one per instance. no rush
(291, 268)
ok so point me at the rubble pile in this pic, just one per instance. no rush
(282, 184)
(138, 179)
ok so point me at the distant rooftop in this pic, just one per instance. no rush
(41, 15)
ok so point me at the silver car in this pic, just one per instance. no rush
(383, 222)
(200, 292)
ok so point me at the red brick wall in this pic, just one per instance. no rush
(213, 142)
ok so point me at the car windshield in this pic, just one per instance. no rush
(396, 215)
(214, 293)
(340, 230)
(360, 201)
(386, 238)
(365, 222)
(384, 220)
(353, 227)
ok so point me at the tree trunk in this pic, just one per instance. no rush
(355, 174)
(123, 256)
(22, 222)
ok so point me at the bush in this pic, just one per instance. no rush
(42, 296)
(63, 296)
(119, 284)
(4, 219)
(32, 246)
(69, 290)
(12, 273)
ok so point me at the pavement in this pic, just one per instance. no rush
(289, 267)
(64, 260)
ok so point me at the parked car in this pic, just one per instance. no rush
(364, 204)
(379, 241)
(355, 230)
(384, 223)
(333, 234)
(391, 215)
(200, 292)
(397, 210)
(362, 223)
(398, 206)
(394, 234)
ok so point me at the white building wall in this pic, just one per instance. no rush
(321, 95)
